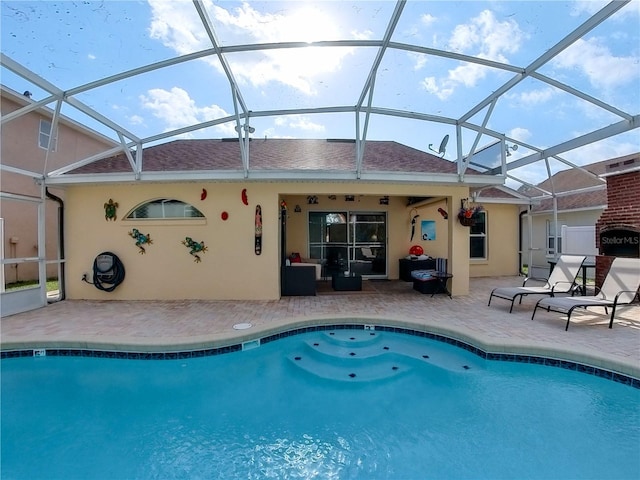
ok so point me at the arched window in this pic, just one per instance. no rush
(164, 208)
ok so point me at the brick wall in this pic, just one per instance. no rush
(622, 212)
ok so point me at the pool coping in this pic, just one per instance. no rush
(190, 346)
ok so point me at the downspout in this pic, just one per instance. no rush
(61, 280)
(520, 239)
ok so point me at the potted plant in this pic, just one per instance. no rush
(469, 214)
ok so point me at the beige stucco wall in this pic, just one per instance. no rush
(502, 238)
(230, 269)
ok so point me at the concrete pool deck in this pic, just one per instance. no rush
(150, 326)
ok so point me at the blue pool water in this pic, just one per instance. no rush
(344, 404)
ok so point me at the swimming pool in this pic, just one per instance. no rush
(330, 403)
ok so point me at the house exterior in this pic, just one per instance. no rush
(25, 157)
(206, 248)
(581, 196)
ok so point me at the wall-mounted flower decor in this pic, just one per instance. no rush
(141, 239)
(194, 248)
(110, 209)
(469, 214)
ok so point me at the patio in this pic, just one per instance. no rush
(183, 325)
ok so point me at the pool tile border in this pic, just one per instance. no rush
(495, 356)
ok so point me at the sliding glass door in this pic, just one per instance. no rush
(350, 241)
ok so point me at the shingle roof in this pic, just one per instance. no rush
(576, 179)
(281, 154)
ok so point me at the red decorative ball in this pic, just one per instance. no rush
(416, 250)
(224, 215)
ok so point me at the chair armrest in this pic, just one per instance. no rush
(632, 293)
(570, 284)
(535, 279)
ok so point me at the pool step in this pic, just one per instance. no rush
(357, 356)
(350, 356)
(348, 369)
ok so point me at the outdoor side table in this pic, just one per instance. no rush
(441, 283)
(342, 282)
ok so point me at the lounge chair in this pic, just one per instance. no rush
(620, 287)
(561, 280)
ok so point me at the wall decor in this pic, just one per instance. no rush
(469, 214)
(110, 209)
(194, 248)
(312, 200)
(384, 200)
(224, 215)
(333, 197)
(413, 214)
(349, 198)
(141, 239)
(245, 198)
(428, 230)
(203, 195)
(443, 212)
(258, 230)
(297, 209)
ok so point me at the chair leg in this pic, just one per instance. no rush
(534, 310)
(490, 297)
(613, 313)
(569, 318)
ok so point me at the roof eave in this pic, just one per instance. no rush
(277, 175)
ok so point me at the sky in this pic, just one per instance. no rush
(70, 44)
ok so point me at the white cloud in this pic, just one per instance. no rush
(520, 134)
(173, 23)
(363, 35)
(535, 97)
(136, 120)
(300, 122)
(177, 25)
(428, 19)
(176, 110)
(594, 60)
(419, 60)
(485, 37)
(589, 7)
(91, 56)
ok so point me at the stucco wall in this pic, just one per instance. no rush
(502, 247)
(229, 269)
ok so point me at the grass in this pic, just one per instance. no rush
(52, 284)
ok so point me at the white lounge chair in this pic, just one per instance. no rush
(561, 280)
(620, 287)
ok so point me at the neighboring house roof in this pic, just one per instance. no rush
(276, 153)
(498, 193)
(574, 179)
